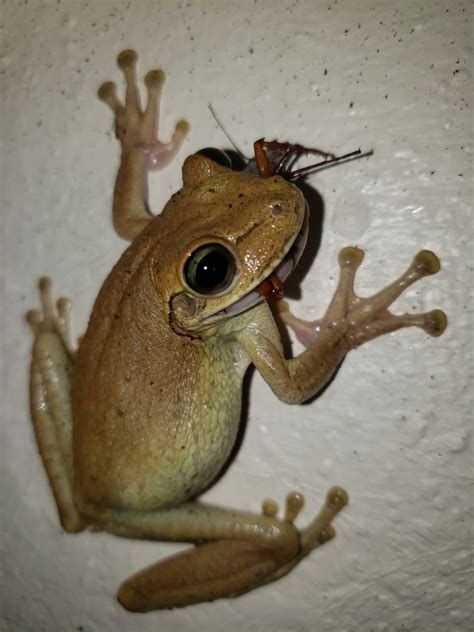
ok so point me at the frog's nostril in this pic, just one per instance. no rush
(277, 208)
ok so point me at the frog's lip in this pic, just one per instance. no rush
(282, 271)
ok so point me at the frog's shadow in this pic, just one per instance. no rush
(292, 290)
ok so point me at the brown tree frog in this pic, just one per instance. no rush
(142, 417)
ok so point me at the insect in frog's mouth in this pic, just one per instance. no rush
(272, 284)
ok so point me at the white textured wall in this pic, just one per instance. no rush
(394, 427)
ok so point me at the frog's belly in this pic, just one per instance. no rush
(155, 465)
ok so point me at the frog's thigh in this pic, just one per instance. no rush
(51, 407)
(51, 414)
(226, 568)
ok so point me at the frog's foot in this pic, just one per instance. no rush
(247, 551)
(356, 320)
(318, 531)
(294, 504)
(136, 127)
(52, 318)
(50, 388)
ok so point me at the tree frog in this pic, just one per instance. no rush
(142, 417)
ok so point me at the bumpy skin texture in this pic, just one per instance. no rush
(142, 417)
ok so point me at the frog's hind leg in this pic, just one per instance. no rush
(231, 567)
(50, 387)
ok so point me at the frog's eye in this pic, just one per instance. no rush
(216, 155)
(210, 269)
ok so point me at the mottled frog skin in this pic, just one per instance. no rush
(140, 419)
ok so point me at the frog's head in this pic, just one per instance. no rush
(231, 238)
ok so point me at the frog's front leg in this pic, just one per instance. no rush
(349, 322)
(136, 129)
(50, 388)
(236, 551)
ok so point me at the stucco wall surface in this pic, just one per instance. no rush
(394, 427)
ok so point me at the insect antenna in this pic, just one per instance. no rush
(319, 166)
(226, 134)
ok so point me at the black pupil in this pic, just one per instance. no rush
(212, 269)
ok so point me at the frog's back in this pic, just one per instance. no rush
(155, 412)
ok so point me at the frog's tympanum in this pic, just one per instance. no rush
(142, 417)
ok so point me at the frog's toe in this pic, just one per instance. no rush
(320, 529)
(294, 504)
(43, 319)
(127, 58)
(107, 93)
(270, 508)
(154, 79)
(52, 316)
(327, 534)
(181, 130)
(107, 90)
(350, 257)
(46, 312)
(63, 318)
(34, 318)
(426, 263)
(435, 322)
(45, 286)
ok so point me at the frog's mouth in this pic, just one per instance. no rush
(272, 284)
